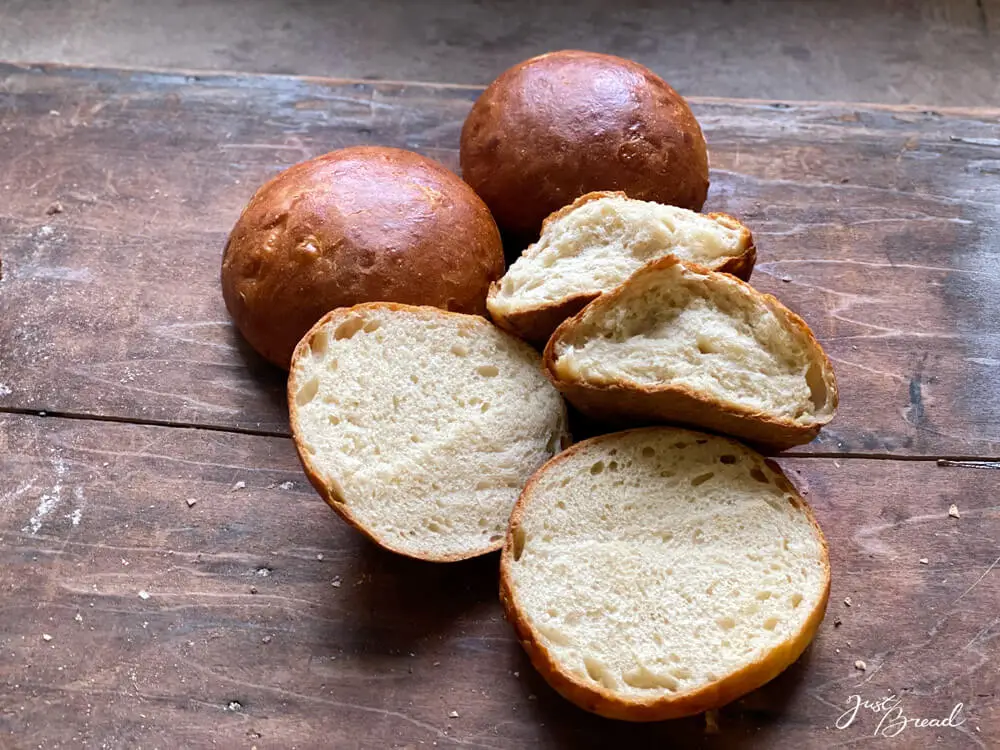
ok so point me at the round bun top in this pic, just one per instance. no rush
(361, 224)
(560, 125)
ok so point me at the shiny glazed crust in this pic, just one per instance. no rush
(357, 225)
(561, 125)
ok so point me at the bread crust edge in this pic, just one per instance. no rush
(604, 702)
(621, 403)
(537, 324)
(332, 493)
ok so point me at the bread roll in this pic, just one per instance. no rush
(596, 243)
(658, 573)
(679, 343)
(419, 426)
(560, 125)
(357, 225)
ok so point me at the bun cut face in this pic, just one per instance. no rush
(657, 573)
(595, 244)
(420, 427)
(679, 343)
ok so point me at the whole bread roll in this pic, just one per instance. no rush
(362, 224)
(560, 125)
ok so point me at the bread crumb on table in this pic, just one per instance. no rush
(847, 601)
(46, 637)
(191, 501)
(453, 714)
(953, 511)
(711, 722)
(924, 561)
(860, 665)
(144, 595)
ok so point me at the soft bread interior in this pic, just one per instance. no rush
(597, 245)
(426, 425)
(680, 326)
(655, 562)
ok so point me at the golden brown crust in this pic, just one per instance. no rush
(604, 702)
(740, 266)
(560, 125)
(357, 225)
(631, 404)
(331, 492)
(535, 325)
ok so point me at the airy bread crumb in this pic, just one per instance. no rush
(681, 343)
(595, 244)
(420, 426)
(657, 573)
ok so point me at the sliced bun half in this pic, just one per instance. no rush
(420, 427)
(680, 343)
(657, 573)
(595, 244)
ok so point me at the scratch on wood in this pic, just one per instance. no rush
(983, 631)
(969, 464)
(977, 581)
(872, 370)
(841, 187)
(992, 142)
(872, 264)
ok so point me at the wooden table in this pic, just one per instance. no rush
(169, 579)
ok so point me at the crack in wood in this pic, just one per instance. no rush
(976, 462)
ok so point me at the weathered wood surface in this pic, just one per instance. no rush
(345, 646)
(270, 623)
(879, 226)
(940, 51)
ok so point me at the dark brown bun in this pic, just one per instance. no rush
(363, 224)
(558, 126)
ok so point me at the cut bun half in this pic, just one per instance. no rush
(420, 427)
(657, 573)
(595, 244)
(680, 343)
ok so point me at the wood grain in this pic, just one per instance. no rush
(939, 51)
(269, 622)
(878, 226)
